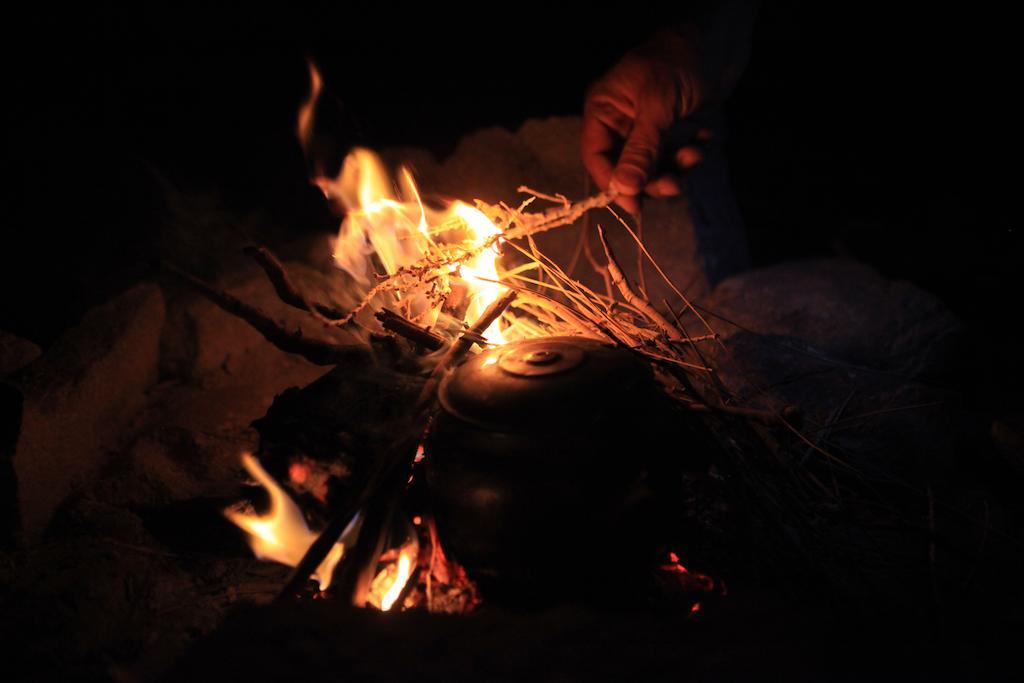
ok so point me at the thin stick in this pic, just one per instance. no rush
(315, 351)
(556, 198)
(676, 361)
(587, 300)
(578, 251)
(885, 411)
(286, 289)
(722, 389)
(462, 346)
(404, 327)
(785, 423)
(598, 268)
(555, 217)
(662, 273)
(578, 294)
(634, 299)
(766, 417)
(566, 313)
(641, 275)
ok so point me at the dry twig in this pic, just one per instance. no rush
(315, 351)
(634, 299)
(286, 290)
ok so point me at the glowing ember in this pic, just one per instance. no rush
(678, 582)
(282, 535)
(298, 473)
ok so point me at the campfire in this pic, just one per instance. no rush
(529, 420)
(280, 389)
(463, 291)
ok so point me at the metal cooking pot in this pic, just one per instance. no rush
(534, 458)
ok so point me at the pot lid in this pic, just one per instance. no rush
(543, 383)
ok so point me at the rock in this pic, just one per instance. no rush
(79, 396)
(15, 353)
(161, 466)
(842, 309)
(852, 350)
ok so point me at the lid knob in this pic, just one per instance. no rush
(542, 357)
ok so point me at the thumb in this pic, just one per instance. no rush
(638, 156)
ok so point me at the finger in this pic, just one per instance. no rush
(665, 186)
(596, 143)
(688, 157)
(637, 158)
(629, 203)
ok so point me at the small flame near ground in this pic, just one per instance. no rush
(282, 535)
(389, 583)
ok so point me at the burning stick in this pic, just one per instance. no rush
(513, 224)
(462, 346)
(380, 495)
(393, 322)
(358, 572)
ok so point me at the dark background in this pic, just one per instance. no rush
(855, 131)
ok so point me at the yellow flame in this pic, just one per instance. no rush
(404, 572)
(281, 535)
(388, 226)
(481, 271)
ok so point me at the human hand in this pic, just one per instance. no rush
(627, 113)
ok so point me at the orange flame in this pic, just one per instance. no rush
(389, 583)
(282, 535)
(304, 128)
(404, 572)
(387, 224)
